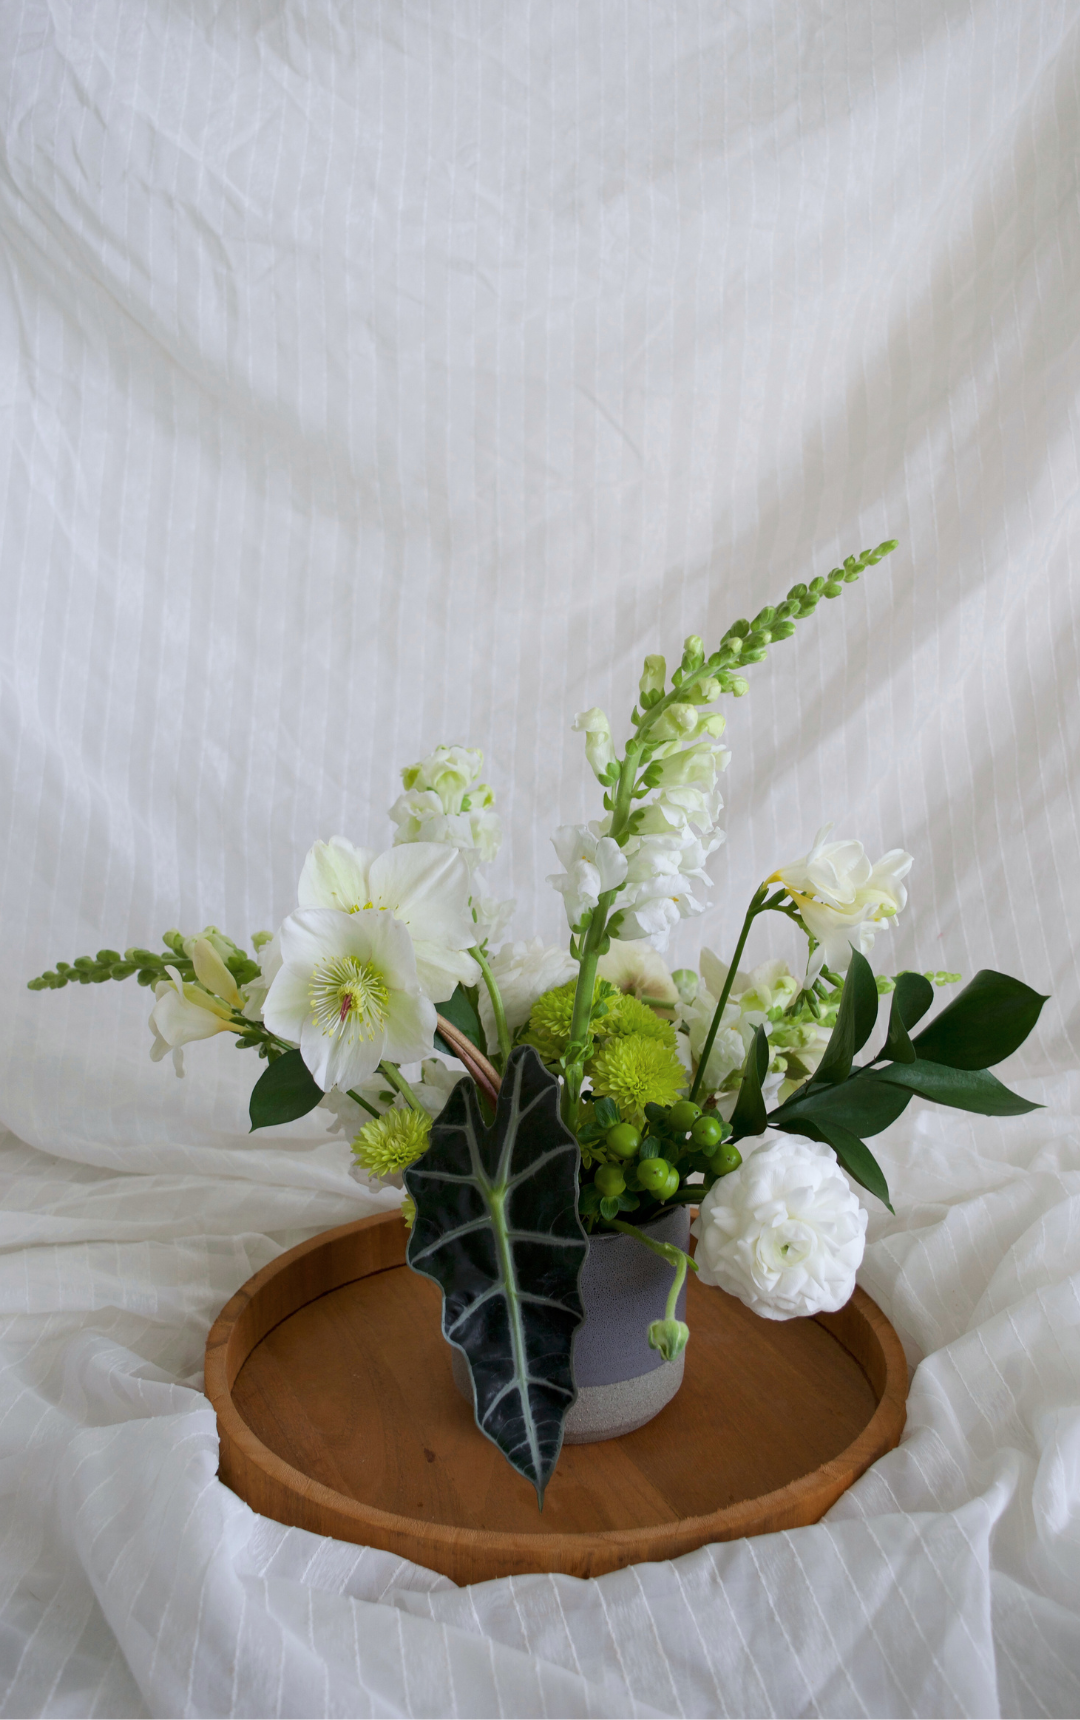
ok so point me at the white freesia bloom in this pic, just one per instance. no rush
(594, 864)
(768, 987)
(424, 885)
(637, 968)
(445, 802)
(599, 749)
(523, 972)
(784, 1233)
(183, 1013)
(842, 898)
(348, 993)
(254, 993)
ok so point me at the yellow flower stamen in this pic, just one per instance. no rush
(349, 997)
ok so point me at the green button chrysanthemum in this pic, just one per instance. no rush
(634, 1070)
(388, 1144)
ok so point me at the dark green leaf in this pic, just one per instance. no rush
(606, 1112)
(859, 1105)
(855, 1156)
(460, 1012)
(985, 1023)
(855, 1022)
(964, 1089)
(748, 1117)
(496, 1211)
(284, 1091)
(911, 999)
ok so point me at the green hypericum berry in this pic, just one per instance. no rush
(707, 1132)
(623, 1140)
(653, 1175)
(672, 1183)
(610, 1180)
(727, 1157)
(683, 1115)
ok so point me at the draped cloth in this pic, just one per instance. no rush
(376, 377)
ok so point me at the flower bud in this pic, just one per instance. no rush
(669, 1337)
(598, 744)
(686, 984)
(706, 691)
(693, 652)
(678, 720)
(653, 675)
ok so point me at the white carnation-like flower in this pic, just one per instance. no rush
(347, 992)
(784, 1233)
(523, 972)
(842, 898)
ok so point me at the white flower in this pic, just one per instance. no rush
(523, 972)
(784, 1233)
(445, 802)
(598, 744)
(637, 968)
(594, 864)
(348, 992)
(490, 916)
(183, 1013)
(842, 898)
(425, 886)
(254, 993)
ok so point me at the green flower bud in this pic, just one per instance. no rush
(833, 587)
(670, 1337)
(686, 984)
(693, 652)
(705, 691)
(678, 720)
(654, 675)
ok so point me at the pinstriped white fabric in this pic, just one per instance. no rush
(372, 377)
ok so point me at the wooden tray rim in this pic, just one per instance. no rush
(881, 1433)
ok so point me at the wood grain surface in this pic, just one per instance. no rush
(337, 1412)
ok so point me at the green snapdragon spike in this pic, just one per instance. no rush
(498, 1230)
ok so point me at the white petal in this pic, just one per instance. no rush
(410, 1028)
(426, 884)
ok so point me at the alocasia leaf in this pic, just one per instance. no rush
(498, 1230)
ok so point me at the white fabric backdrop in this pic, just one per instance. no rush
(380, 376)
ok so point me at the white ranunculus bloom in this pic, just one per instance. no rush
(784, 1233)
(424, 885)
(599, 749)
(637, 968)
(183, 1013)
(523, 972)
(348, 993)
(594, 864)
(444, 802)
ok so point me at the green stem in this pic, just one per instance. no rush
(496, 1003)
(751, 914)
(396, 1079)
(675, 1257)
(353, 1094)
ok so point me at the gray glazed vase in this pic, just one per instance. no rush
(621, 1383)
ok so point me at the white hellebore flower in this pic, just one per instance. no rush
(183, 1013)
(599, 749)
(784, 1233)
(594, 864)
(424, 885)
(348, 993)
(842, 898)
(523, 972)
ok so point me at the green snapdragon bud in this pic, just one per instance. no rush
(686, 984)
(653, 675)
(693, 653)
(677, 721)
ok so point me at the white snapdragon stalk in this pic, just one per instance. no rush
(784, 1232)
(183, 1013)
(599, 748)
(424, 886)
(843, 899)
(594, 864)
(348, 993)
(444, 801)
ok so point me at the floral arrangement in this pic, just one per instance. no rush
(599, 1088)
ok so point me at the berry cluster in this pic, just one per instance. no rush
(680, 1141)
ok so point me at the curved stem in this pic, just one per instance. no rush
(751, 913)
(362, 1102)
(396, 1079)
(497, 1009)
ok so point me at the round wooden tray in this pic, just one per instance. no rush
(337, 1413)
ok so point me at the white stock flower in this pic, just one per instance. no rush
(183, 1013)
(784, 1233)
(424, 886)
(347, 992)
(599, 749)
(523, 972)
(842, 898)
(444, 802)
(594, 864)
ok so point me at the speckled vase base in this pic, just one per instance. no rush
(621, 1383)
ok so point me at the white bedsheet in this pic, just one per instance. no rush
(380, 376)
